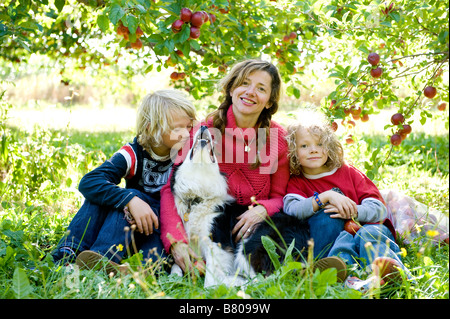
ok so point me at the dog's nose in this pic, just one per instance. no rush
(203, 143)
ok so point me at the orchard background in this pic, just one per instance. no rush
(73, 71)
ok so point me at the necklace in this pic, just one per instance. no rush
(246, 146)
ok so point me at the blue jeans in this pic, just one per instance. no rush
(101, 229)
(324, 230)
(356, 249)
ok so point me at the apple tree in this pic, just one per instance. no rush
(373, 50)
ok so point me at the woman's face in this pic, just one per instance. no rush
(251, 97)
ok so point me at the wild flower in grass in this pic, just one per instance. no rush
(403, 252)
(432, 233)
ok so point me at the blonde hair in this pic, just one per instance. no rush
(155, 115)
(317, 126)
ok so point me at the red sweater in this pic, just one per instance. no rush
(267, 183)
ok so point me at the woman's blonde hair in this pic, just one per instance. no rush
(317, 126)
(155, 115)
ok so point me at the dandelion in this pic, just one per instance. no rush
(403, 252)
(432, 233)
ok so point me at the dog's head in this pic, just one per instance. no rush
(199, 175)
(202, 151)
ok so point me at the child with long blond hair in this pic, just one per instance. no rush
(99, 229)
(326, 191)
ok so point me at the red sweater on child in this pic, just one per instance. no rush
(266, 183)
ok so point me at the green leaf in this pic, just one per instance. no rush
(59, 4)
(21, 284)
(132, 23)
(116, 14)
(271, 249)
(103, 22)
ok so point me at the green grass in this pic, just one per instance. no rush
(39, 199)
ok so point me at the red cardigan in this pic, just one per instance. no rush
(267, 183)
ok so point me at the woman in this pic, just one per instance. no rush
(251, 150)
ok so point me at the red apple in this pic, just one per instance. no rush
(212, 18)
(194, 33)
(177, 25)
(205, 16)
(396, 139)
(355, 110)
(430, 92)
(349, 139)
(406, 129)
(351, 226)
(376, 73)
(197, 19)
(137, 44)
(373, 58)
(333, 102)
(293, 35)
(139, 32)
(397, 118)
(122, 30)
(174, 76)
(334, 126)
(186, 14)
(365, 117)
(442, 106)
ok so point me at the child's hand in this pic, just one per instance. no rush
(144, 217)
(341, 205)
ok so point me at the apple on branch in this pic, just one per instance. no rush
(430, 92)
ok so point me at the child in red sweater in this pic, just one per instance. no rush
(251, 151)
(326, 191)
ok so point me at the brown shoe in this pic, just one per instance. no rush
(89, 259)
(332, 262)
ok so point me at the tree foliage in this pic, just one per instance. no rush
(411, 38)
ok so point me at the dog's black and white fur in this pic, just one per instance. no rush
(201, 195)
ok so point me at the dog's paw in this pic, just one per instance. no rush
(176, 270)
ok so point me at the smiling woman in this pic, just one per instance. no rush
(251, 97)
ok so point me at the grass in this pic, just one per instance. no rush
(39, 199)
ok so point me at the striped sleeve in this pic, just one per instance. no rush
(131, 159)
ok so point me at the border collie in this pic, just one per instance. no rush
(201, 195)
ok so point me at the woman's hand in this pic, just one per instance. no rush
(186, 258)
(144, 217)
(248, 220)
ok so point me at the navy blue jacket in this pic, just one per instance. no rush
(132, 162)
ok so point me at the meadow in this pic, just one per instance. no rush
(46, 149)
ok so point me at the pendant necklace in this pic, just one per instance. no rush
(246, 146)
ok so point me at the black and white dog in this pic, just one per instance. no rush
(201, 195)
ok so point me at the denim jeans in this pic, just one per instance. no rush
(371, 241)
(102, 229)
(324, 230)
